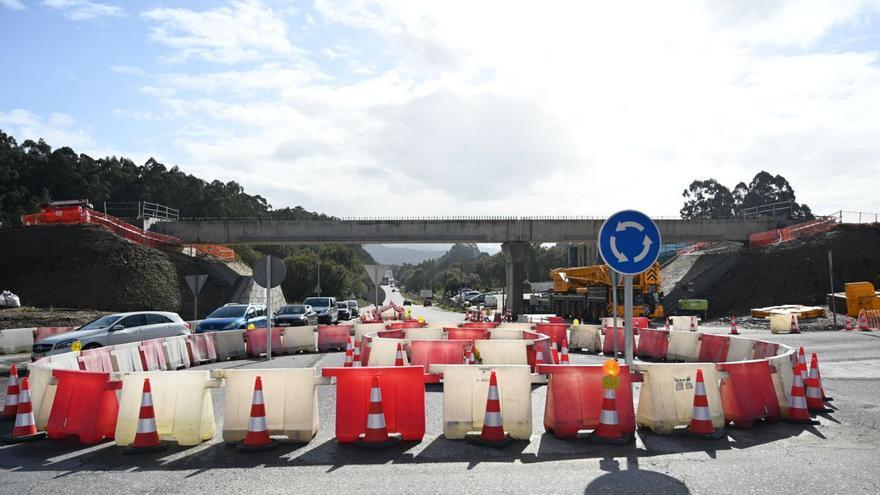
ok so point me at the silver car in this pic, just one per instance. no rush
(120, 328)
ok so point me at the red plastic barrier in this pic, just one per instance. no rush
(201, 348)
(428, 352)
(713, 348)
(748, 393)
(555, 319)
(391, 334)
(608, 340)
(85, 405)
(640, 322)
(256, 342)
(466, 333)
(653, 343)
(366, 342)
(542, 343)
(152, 355)
(404, 324)
(556, 331)
(764, 350)
(96, 360)
(574, 399)
(332, 337)
(403, 399)
(43, 332)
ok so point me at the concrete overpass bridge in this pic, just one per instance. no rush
(513, 233)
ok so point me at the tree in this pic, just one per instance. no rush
(707, 199)
(765, 189)
(710, 199)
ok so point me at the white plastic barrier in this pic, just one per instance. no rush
(230, 344)
(15, 340)
(781, 323)
(43, 386)
(290, 397)
(300, 339)
(361, 329)
(741, 349)
(427, 333)
(666, 399)
(383, 352)
(497, 352)
(514, 325)
(176, 353)
(126, 358)
(465, 388)
(683, 346)
(783, 378)
(505, 333)
(181, 401)
(683, 323)
(588, 337)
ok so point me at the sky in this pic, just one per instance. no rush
(412, 108)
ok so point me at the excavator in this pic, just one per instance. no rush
(584, 292)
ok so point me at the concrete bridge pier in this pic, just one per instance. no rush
(515, 257)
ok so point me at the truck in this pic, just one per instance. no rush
(585, 293)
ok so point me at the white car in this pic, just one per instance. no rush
(119, 328)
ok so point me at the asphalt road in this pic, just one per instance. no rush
(838, 456)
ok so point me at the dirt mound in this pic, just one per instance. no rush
(795, 272)
(26, 317)
(81, 266)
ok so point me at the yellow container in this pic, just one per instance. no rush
(296, 339)
(290, 397)
(181, 401)
(588, 337)
(465, 389)
(781, 322)
(666, 398)
(683, 346)
(497, 352)
(229, 344)
(383, 352)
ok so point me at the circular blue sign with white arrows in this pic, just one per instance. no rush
(629, 242)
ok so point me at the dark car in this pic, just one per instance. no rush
(295, 315)
(233, 317)
(343, 311)
(328, 314)
(354, 307)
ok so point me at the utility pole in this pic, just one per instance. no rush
(831, 280)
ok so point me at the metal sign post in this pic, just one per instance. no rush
(628, 317)
(269, 272)
(268, 309)
(375, 272)
(196, 283)
(614, 283)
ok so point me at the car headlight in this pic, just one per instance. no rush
(64, 344)
(230, 326)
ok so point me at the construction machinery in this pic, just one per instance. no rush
(585, 292)
(858, 296)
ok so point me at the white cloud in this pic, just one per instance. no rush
(12, 4)
(58, 129)
(129, 70)
(245, 30)
(84, 10)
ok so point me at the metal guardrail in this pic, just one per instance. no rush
(140, 209)
(857, 217)
(427, 219)
(767, 210)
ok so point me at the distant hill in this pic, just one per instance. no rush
(388, 255)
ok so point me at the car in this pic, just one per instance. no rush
(407, 302)
(234, 316)
(295, 315)
(476, 300)
(354, 307)
(343, 311)
(328, 313)
(118, 328)
(465, 294)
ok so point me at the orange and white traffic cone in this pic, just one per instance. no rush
(815, 373)
(349, 354)
(794, 325)
(701, 420)
(863, 321)
(257, 438)
(147, 437)
(797, 402)
(12, 391)
(815, 404)
(554, 352)
(376, 435)
(356, 359)
(492, 434)
(693, 324)
(608, 431)
(25, 429)
(563, 359)
(733, 330)
(802, 362)
(398, 359)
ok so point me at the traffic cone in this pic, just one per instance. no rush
(802, 362)
(609, 431)
(539, 356)
(733, 330)
(863, 321)
(554, 352)
(701, 420)
(398, 360)
(25, 429)
(797, 403)
(349, 354)
(815, 404)
(257, 438)
(356, 359)
(12, 391)
(492, 434)
(376, 434)
(147, 437)
(564, 357)
(847, 324)
(794, 325)
(815, 373)
(693, 323)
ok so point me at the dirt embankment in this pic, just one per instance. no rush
(795, 272)
(86, 267)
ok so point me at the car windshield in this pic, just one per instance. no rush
(228, 312)
(318, 302)
(102, 322)
(352, 304)
(292, 310)
(342, 306)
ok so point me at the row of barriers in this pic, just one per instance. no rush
(95, 395)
